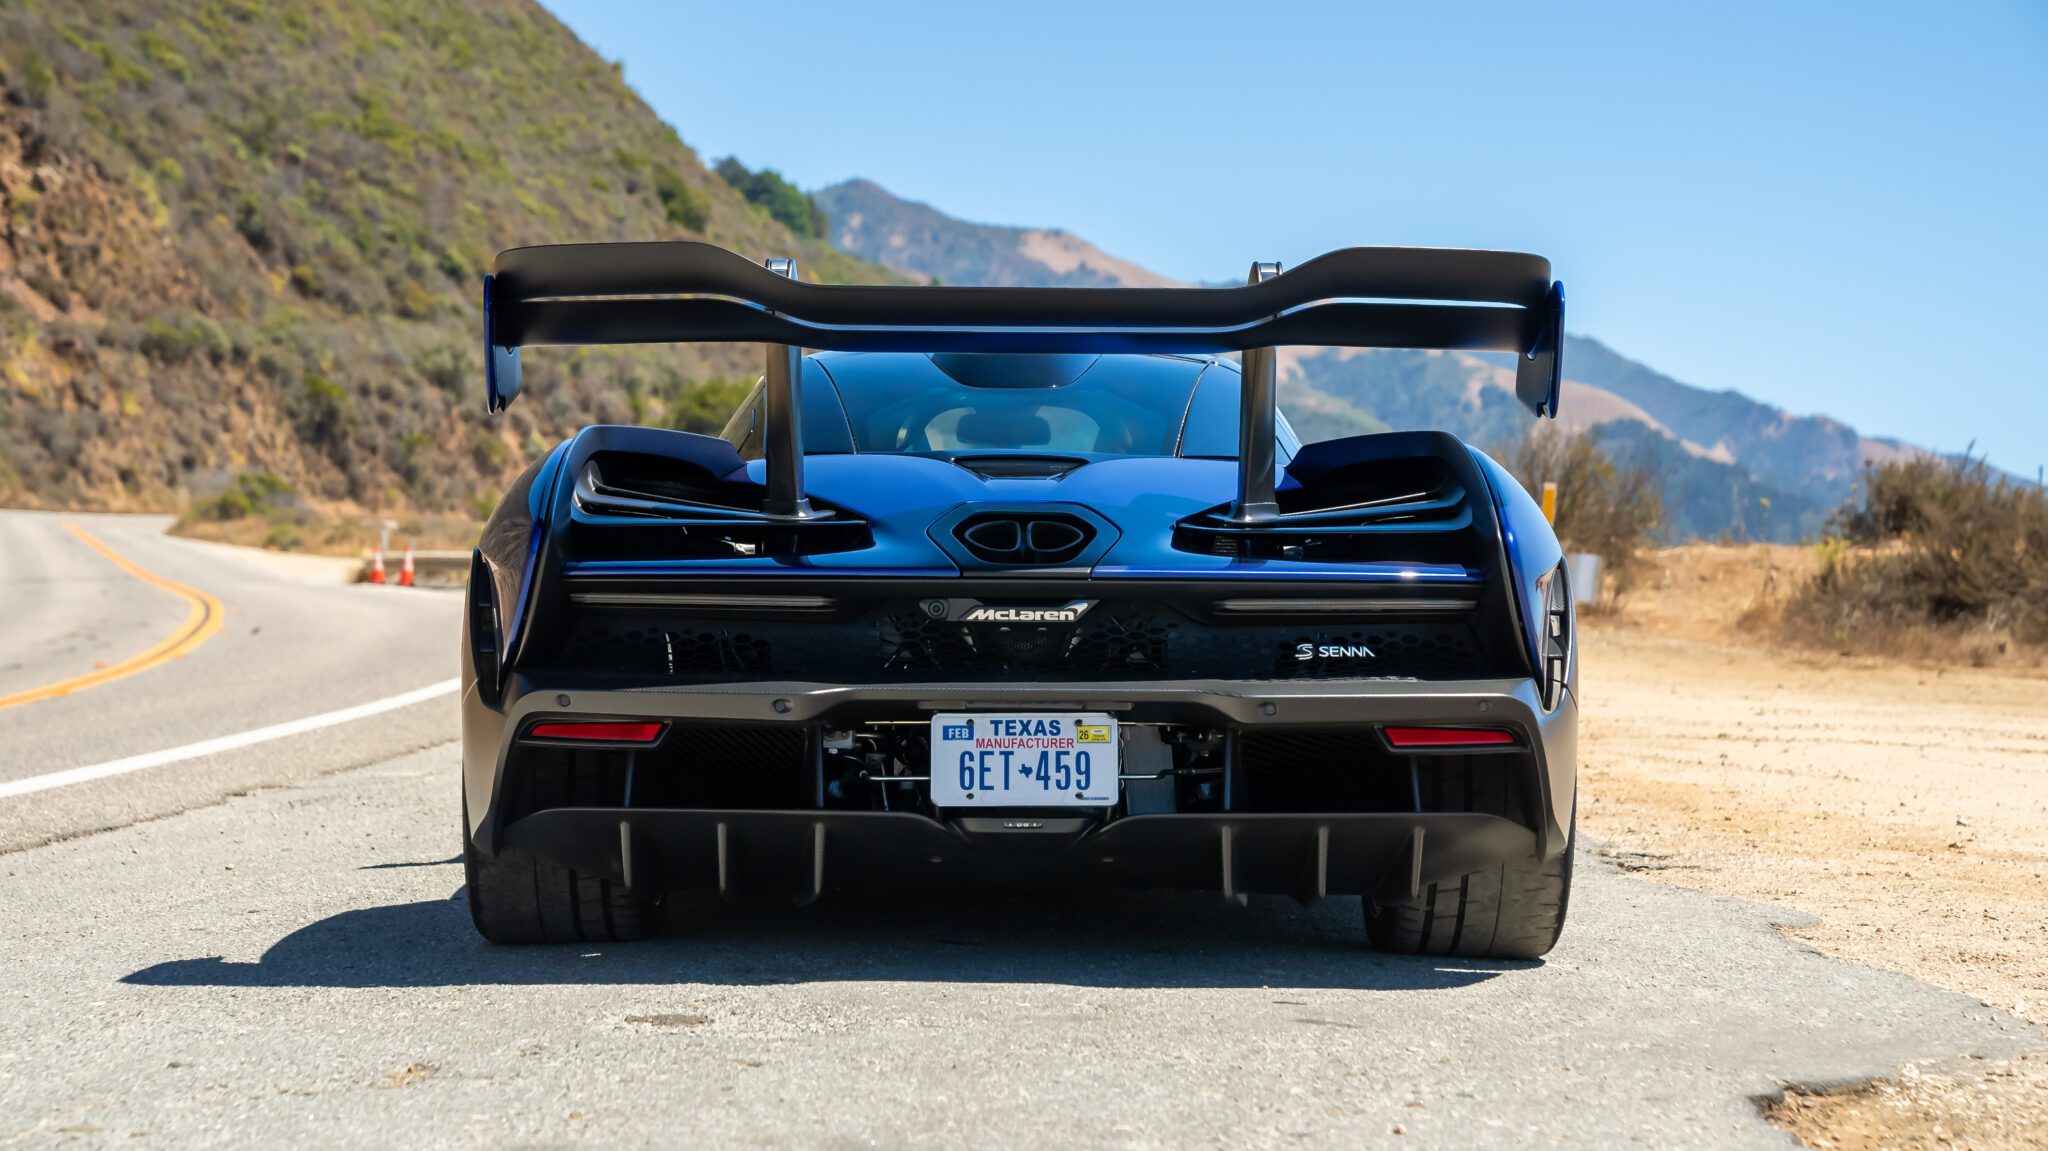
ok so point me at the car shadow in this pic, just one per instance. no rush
(1096, 939)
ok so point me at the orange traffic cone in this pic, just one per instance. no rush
(377, 566)
(405, 568)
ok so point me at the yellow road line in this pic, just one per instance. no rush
(203, 618)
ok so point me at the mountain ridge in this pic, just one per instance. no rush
(1736, 465)
(873, 223)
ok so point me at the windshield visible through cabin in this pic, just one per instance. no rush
(1096, 414)
(1101, 407)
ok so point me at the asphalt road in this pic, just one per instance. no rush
(295, 965)
(295, 641)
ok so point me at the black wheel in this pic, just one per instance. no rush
(521, 898)
(1512, 910)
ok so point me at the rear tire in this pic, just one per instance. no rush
(517, 897)
(1513, 910)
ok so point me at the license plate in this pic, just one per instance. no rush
(1025, 759)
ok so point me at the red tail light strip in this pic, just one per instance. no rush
(1404, 737)
(598, 732)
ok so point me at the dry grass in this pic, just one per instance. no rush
(336, 535)
(1986, 1107)
(1937, 560)
(1751, 594)
(1604, 505)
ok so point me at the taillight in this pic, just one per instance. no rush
(1557, 635)
(1447, 737)
(597, 732)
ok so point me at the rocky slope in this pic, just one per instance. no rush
(248, 237)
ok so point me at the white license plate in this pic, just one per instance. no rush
(1024, 759)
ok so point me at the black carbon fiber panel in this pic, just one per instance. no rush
(1114, 641)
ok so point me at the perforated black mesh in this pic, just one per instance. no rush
(1314, 770)
(679, 650)
(1114, 640)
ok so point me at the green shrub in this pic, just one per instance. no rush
(683, 204)
(249, 494)
(1605, 506)
(177, 338)
(1931, 542)
(782, 200)
(159, 48)
(704, 407)
(38, 80)
(415, 301)
(322, 412)
(448, 367)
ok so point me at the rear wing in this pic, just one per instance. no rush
(685, 292)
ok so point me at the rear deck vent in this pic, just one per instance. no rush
(1013, 467)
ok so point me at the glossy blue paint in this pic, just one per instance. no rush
(764, 566)
(902, 496)
(539, 498)
(1270, 570)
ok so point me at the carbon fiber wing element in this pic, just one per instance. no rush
(683, 291)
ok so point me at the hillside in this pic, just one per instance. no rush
(1734, 466)
(246, 236)
(1814, 454)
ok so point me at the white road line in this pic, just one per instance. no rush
(69, 776)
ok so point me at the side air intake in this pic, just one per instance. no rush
(483, 625)
(1391, 496)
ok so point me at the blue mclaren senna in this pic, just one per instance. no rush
(1016, 588)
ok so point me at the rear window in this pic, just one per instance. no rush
(1116, 412)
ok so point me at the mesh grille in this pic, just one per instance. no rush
(1323, 770)
(1100, 645)
(730, 765)
(694, 766)
(675, 649)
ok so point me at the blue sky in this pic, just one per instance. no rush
(1837, 208)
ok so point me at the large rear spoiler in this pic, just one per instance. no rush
(685, 292)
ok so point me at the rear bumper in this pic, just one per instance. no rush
(801, 851)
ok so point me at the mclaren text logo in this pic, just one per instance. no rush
(975, 611)
(1065, 613)
(1309, 651)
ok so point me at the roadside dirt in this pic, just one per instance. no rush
(1904, 807)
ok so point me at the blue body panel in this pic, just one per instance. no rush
(1532, 547)
(901, 496)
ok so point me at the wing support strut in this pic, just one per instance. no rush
(783, 443)
(1257, 426)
